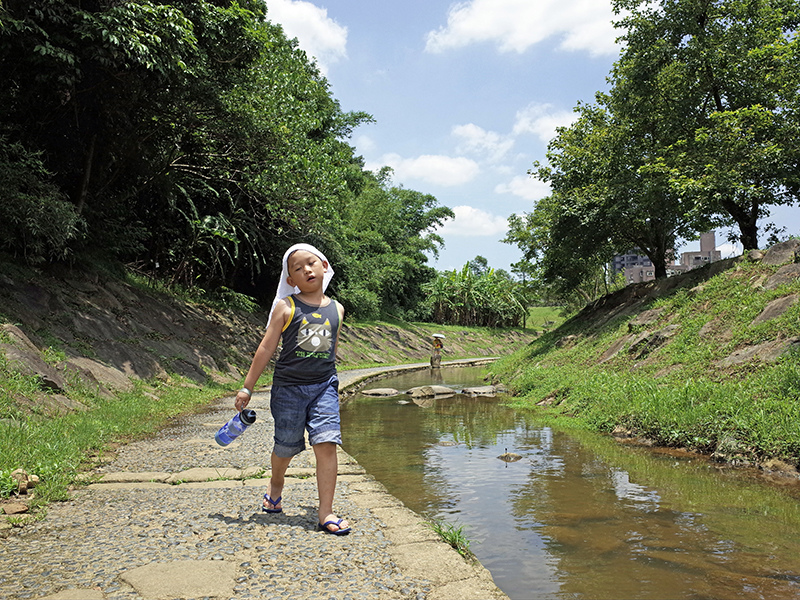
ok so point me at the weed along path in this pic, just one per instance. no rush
(177, 516)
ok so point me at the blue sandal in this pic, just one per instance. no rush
(274, 503)
(324, 527)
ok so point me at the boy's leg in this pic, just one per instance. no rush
(288, 411)
(279, 464)
(327, 470)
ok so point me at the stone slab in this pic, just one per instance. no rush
(782, 252)
(199, 474)
(767, 351)
(183, 579)
(143, 477)
(435, 561)
(351, 470)
(783, 276)
(76, 594)
(483, 390)
(382, 392)
(300, 472)
(405, 526)
(133, 485)
(776, 308)
(15, 508)
(375, 500)
(260, 482)
(219, 484)
(467, 589)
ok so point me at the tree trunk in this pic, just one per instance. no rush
(747, 220)
(87, 175)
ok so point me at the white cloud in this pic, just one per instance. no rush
(526, 187)
(432, 168)
(365, 144)
(320, 37)
(470, 221)
(516, 25)
(541, 120)
(489, 145)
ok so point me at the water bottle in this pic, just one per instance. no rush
(234, 428)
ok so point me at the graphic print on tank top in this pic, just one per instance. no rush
(314, 336)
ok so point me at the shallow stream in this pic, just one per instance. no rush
(580, 515)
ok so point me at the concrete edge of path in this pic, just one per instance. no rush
(350, 380)
(419, 552)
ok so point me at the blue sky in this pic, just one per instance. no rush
(465, 96)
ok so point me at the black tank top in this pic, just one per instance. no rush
(308, 352)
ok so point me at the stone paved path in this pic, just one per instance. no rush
(176, 516)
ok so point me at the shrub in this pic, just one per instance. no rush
(36, 221)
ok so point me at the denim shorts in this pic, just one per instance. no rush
(314, 407)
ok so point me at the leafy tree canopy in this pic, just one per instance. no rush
(697, 130)
(194, 140)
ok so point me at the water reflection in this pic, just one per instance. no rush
(579, 516)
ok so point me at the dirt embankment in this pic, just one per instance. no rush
(107, 332)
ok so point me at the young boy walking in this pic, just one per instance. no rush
(305, 387)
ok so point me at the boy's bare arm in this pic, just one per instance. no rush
(266, 349)
(340, 310)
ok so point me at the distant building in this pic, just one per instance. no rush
(635, 267)
(638, 268)
(708, 253)
(639, 273)
(630, 259)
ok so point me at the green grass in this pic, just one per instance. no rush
(544, 318)
(453, 535)
(57, 448)
(677, 394)
(460, 342)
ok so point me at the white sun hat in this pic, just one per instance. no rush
(284, 289)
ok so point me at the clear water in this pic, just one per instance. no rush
(580, 515)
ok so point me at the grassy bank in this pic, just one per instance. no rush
(600, 370)
(57, 448)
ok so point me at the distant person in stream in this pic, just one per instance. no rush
(305, 385)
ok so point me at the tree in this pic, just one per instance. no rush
(698, 129)
(721, 79)
(468, 298)
(607, 196)
(192, 135)
(195, 138)
(553, 271)
(382, 241)
(479, 265)
(35, 219)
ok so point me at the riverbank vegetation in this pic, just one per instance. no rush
(680, 377)
(59, 447)
(193, 143)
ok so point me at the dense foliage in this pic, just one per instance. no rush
(477, 296)
(196, 142)
(697, 130)
(385, 233)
